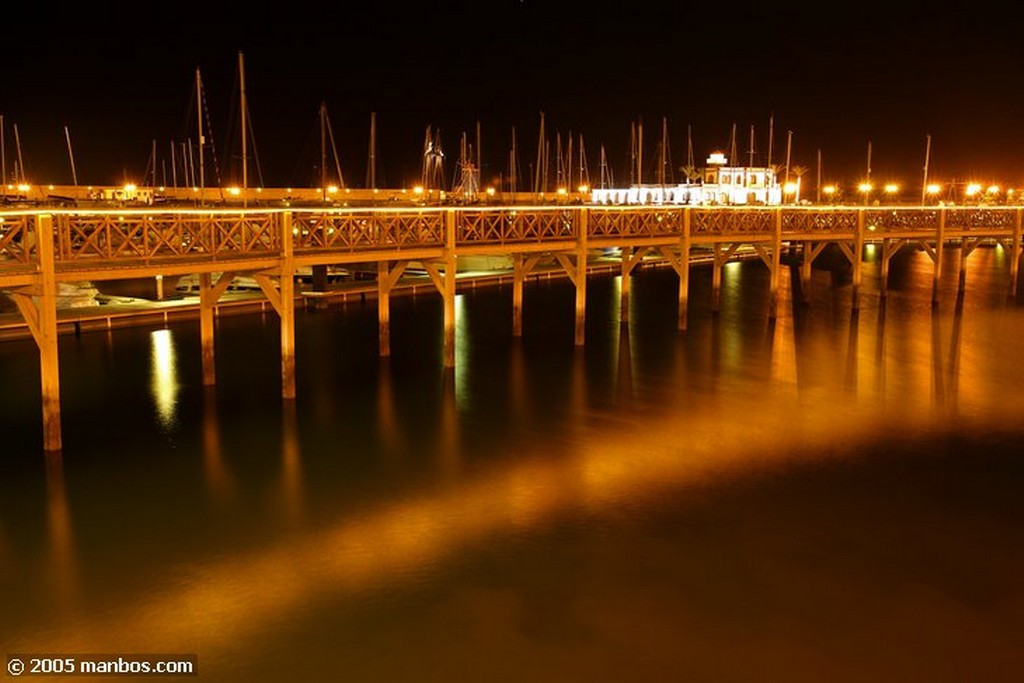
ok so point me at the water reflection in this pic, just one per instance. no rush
(852, 352)
(388, 426)
(759, 511)
(164, 376)
(624, 377)
(62, 565)
(219, 481)
(291, 465)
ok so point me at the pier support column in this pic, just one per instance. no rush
(683, 270)
(517, 295)
(884, 274)
(206, 302)
(282, 298)
(449, 290)
(287, 309)
(1015, 253)
(624, 283)
(41, 319)
(940, 238)
(775, 266)
(38, 306)
(716, 278)
(805, 271)
(722, 254)
(48, 356)
(383, 310)
(209, 295)
(581, 276)
(387, 278)
(319, 278)
(856, 259)
(521, 267)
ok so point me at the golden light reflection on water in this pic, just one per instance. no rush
(164, 375)
(219, 481)
(62, 567)
(229, 598)
(590, 471)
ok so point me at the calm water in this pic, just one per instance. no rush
(825, 497)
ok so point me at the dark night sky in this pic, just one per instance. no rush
(837, 77)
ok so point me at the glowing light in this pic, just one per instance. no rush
(234, 191)
(23, 187)
(583, 189)
(332, 189)
(933, 188)
(829, 189)
(973, 189)
(562, 190)
(865, 187)
(892, 188)
(993, 189)
(418, 189)
(789, 188)
(490, 191)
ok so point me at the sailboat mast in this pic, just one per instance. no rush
(789, 146)
(689, 147)
(323, 151)
(512, 165)
(3, 159)
(20, 170)
(751, 162)
(927, 155)
(199, 114)
(640, 151)
(771, 137)
(245, 130)
(174, 167)
(540, 157)
(71, 157)
(372, 171)
(664, 157)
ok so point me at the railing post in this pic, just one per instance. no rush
(48, 356)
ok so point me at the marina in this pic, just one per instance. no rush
(472, 343)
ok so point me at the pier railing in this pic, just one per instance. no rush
(39, 249)
(92, 243)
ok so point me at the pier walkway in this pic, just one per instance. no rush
(41, 248)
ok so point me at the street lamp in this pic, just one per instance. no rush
(891, 189)
(865, 189)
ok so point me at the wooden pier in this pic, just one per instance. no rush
(42, 247)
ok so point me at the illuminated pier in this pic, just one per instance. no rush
(42, 247)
